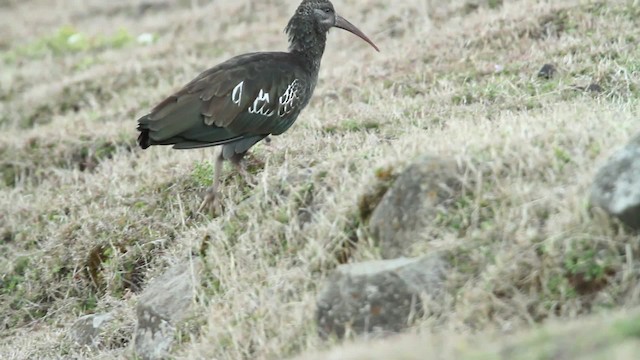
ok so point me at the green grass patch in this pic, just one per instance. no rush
(69, 40)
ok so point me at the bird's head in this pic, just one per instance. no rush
(322, 17)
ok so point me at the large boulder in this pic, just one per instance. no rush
(425, 190)
(163, 305)
(377, 297)
(616, 188)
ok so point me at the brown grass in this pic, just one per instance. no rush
(597, 337)
(87, 219)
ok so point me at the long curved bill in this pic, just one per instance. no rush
(342, 23)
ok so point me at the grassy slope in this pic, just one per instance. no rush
(614, 336)
(89, 218)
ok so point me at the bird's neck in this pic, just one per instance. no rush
(307, 44)
(311, 55)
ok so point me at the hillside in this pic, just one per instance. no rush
(595, 337)
(88, 220)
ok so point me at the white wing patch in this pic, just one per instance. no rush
(258, 108)
(287, 99)
(236, 95)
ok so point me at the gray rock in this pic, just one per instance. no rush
(87, 329)
(377, 297)
(163, 305)
(424, 190)
(616, 188)
(547, 71)
(594, 88)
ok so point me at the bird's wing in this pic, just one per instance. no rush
(255, 94)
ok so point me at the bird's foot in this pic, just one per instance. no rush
(249, 178)
(254, 163)
(210, 203)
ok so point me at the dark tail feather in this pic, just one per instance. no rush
(143, 139)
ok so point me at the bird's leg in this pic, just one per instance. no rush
(237, 162)
(211, 196)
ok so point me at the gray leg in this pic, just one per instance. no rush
(237, 162)
(211, 197)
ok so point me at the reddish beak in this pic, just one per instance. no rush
(342, 23)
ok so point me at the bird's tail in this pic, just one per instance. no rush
(143, 139)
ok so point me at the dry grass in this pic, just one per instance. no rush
(87, 219)
(596, 337)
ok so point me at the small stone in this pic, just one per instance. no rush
(162, 306)
(152, 6)
(470, 7)
(616, 188)
(594, 88)
(377, 297)
(547, 71)
(87, 329)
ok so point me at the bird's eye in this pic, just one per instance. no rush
(328, 10)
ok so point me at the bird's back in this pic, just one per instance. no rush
(239, 101)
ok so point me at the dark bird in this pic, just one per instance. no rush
(248, 97)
